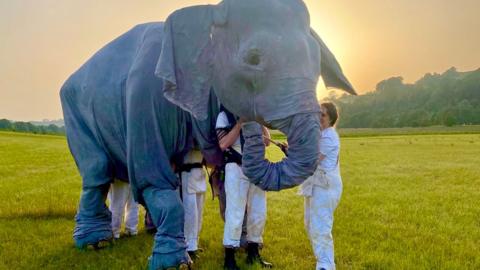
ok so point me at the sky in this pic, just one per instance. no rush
(43, 42)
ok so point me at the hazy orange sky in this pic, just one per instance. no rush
(43, 42)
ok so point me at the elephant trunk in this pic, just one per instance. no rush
(303, 134)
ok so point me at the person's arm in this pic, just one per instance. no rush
(329, 146)
(229, 138)
(266, 136)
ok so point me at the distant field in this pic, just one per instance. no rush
(371, 132)
(409, 202)
(352, 132)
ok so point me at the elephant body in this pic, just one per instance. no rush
(141, 103)
(120, 126)
(117, 80)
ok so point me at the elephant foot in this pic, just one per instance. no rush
(95, 240)
(167, 262)
(100, 245)
(182, 266)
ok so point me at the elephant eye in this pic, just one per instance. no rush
(253, 57)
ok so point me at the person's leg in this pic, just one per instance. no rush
(256, 213)
(256, 217)
(236, 192)
(166, 209)
(191, 215)
(320, 227)
(243, 238)
(200, 203)
(131, 216)
(201, 189)
(118, 198)
(306, 217)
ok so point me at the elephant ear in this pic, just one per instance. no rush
(331, 71)
(185, 60)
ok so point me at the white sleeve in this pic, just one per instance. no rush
(330, 145)
(222, 120)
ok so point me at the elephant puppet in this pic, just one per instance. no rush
(140, 103)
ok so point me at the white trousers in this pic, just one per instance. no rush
(194, 186)
(123, 205)
(241, 195)
(320, 205)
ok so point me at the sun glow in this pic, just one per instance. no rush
(372, 40)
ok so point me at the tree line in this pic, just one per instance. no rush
(447, 99)
(450, 98)
(28, 127)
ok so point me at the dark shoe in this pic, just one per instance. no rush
(253, 256)
(194, 255)
(230, 263)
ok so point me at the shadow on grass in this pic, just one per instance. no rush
(125, 253)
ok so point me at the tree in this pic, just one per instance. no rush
(450, 98)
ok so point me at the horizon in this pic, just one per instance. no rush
(438, 35)
(338, 94)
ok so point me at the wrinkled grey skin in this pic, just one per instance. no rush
(128, 110)
(263, 61)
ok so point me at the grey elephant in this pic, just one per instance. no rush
(138, 105)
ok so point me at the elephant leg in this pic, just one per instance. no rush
(93, 219)
(166, 210)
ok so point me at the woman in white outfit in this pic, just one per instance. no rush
(241, 195)
(123, 205)
(323, 190)
(194, 186)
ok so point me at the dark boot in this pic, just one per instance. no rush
(194, 255)
(230, 263)
(253, 256)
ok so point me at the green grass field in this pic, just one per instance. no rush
(409, 202)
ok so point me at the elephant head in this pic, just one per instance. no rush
(263, 61)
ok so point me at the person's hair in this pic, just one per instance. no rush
(331, 111)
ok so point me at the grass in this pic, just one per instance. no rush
(375, 132)
(433, 130)
(409, 202)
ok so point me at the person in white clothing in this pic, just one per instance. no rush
(123, 205)
(194, 186)
(241, 196)
(323, 190)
